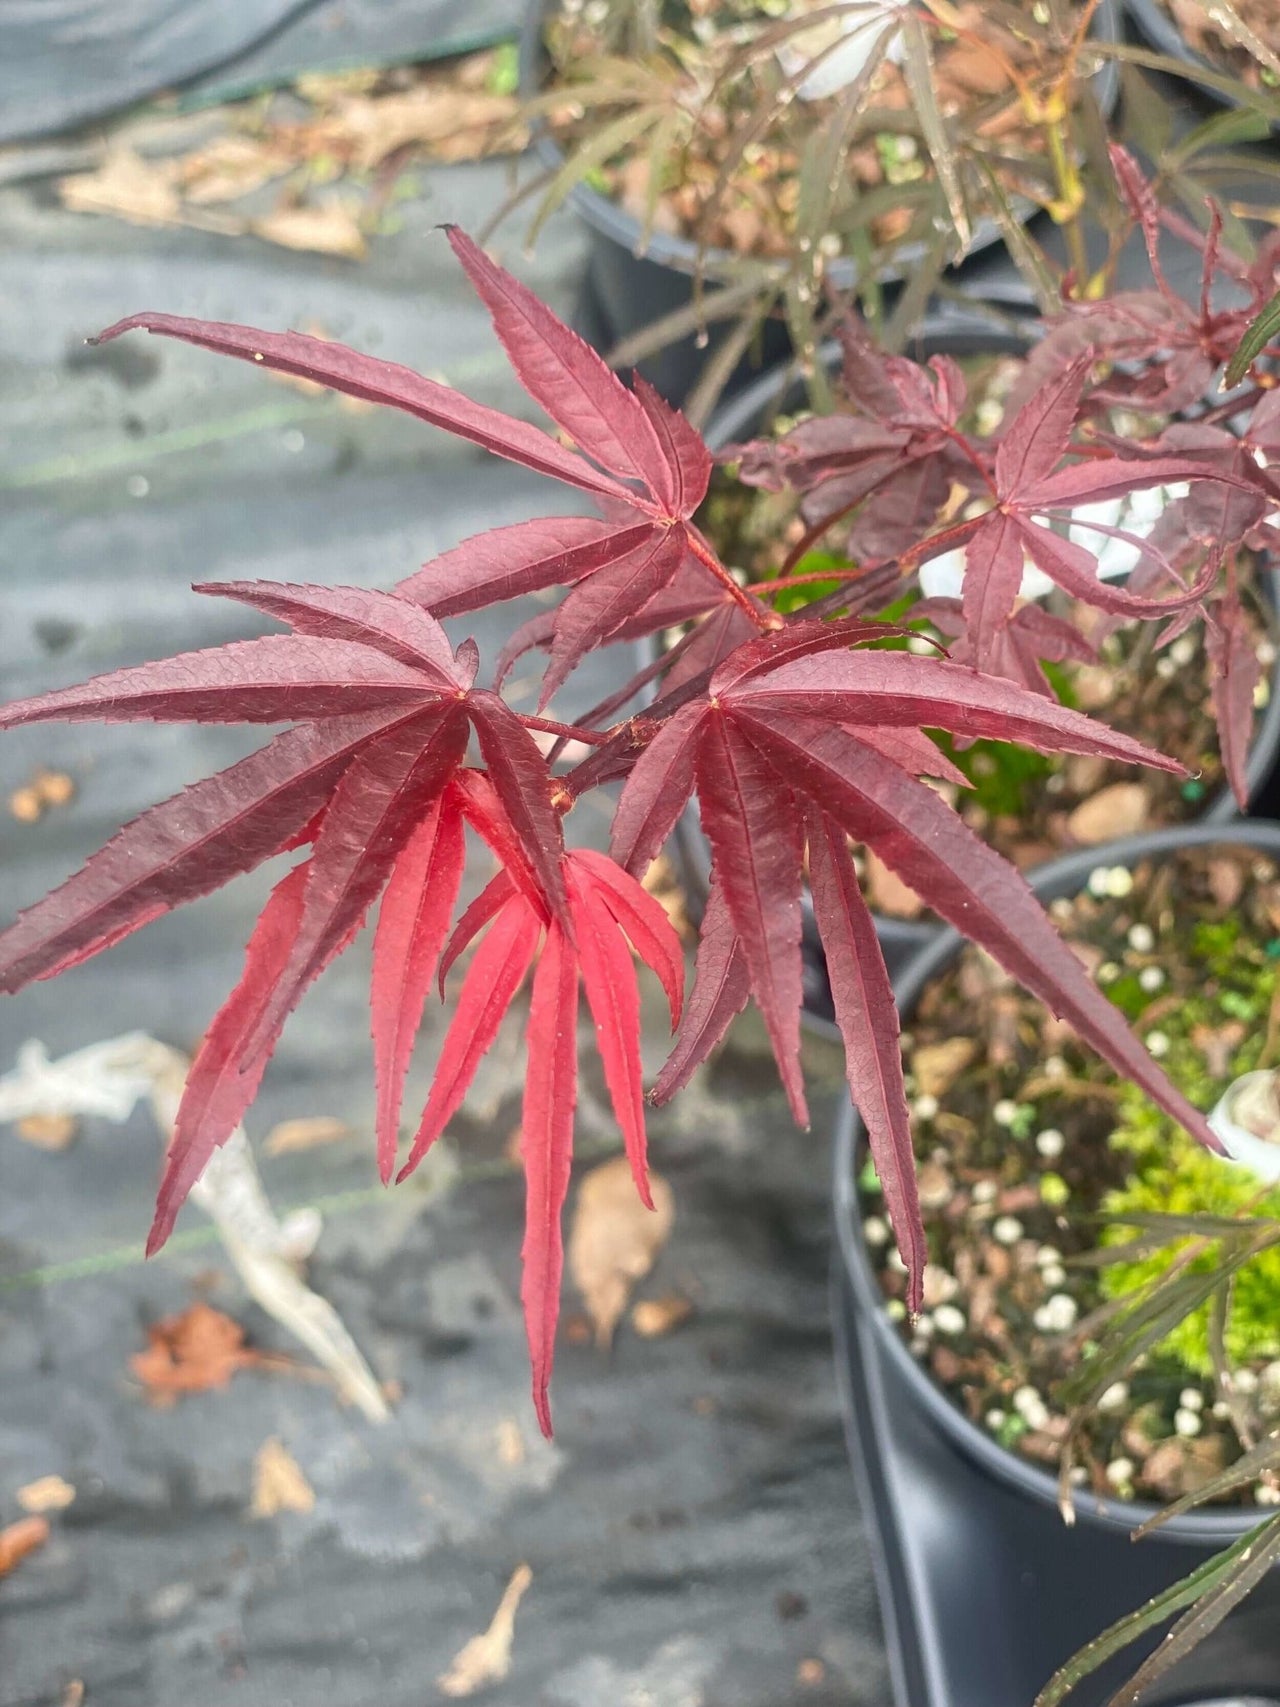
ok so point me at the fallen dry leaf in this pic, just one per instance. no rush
(333, 229)
(652, 1318)
(192, 1353)
(305, 1134)
(144, 192)
(230, 167)
(445, 123)
(886, 891)
(53, 1132)
(938, 1065)
(486, 1658)
(20, 1538)
(278, 1482)
(1120, 810)
(614, 1240)
(46, 1493)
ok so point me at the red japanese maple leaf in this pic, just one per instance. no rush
(607, 909)
(798, 742)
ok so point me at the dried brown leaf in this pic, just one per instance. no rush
(25, 1536)
(46, 1493)
(289, 1136)
(614, 1240)
(278, 1482)
(333, 229)
(191, 1353)
(486, 1658)
(938, 1065)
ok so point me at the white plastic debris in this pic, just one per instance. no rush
(856, 33)
(108, 1079)
(1246, 1120)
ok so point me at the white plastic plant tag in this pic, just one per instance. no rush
(857, 32)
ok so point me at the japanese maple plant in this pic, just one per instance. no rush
(799, 737)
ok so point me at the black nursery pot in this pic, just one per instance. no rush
(959, 334)
(984, 1590)
(630, 288)
(1157, 28)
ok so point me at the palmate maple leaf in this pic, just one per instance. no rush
(800, 742)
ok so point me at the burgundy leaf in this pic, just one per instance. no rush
(412, 922)
(270, 680)
(526, 557)
(1101, 478)
(1236, 674)
(566, 377)
(755, 839)
(868, 1019)
(911, 749)
(523, 785)
(216, 1092)
(1076, 572)
(184, 848)
(799, 639)
(546, 1144)
(721, 989)
(645, 922)
(383, 621)
(604, 602)
(1036, 440)
(897, 688)
(609, 979)
(920, 838)
(684, 451)
(657, 791)
(389, 383)
(493, 977)
(383, 794)
(993, 568)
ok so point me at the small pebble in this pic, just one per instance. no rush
(1055, 1275)
(949, 1320)
(1165, 667)
(1057, 1315)
(1115, 1397)
(1031, 1407)
(1050, 1143)
(1055, 1067)
(1108, 972)
(1048, 1256)
(1183, 650)
(875, 1232)
(1119, 882)
(896, 1310)
(1005, 1112)
(894, 1261)
(1098, 881)
(1007, 1230)
(995, 1418)
(1142, 939)
(1222, 1410)
(1191, 1399)
(1187, 1423)
(1266, 1494)
(1157, 1043)
(985, 1191)
(925, 1107)
(924, 1326)
(1244, 1381)
(1077, 1475)
(1120, 1472)
(1150, 978)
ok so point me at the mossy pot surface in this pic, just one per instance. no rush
(985, 1591)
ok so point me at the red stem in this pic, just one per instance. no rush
(566, 731)
(765, 621)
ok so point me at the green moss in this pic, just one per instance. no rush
(1172, 1175)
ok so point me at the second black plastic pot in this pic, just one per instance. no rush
(984, 1590)
(632, 285)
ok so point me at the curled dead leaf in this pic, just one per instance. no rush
(614, 1240)
(486, 1658)
(332, 229)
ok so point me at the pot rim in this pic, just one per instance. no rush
(1063, 876)
(681, 254)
